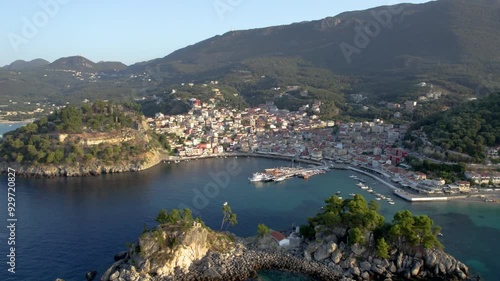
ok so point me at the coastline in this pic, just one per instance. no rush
(415, 198)
(26, 121)
(81, 171)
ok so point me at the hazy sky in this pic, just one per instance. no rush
(134, 31)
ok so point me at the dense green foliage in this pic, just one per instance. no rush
(449, 172)
(361, 218)
(38, 143)
(184, 217)
(356, 214)
(353, 213)
(414, 230)
(262, 230)
(228, 216)
(469, 128)
(382, 248)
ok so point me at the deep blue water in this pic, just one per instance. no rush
(68, 226)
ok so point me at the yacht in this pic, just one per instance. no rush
(258, 177)
(362, 186)
(391, 202)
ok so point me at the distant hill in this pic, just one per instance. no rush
(469, 128)
(451, 41)
(80, 63)
(77, 63)
(23, 65)
(380, 53)
(111, 66)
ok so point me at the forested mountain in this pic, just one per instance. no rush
(453, 40)
(80, 63)
(22, 65)
(469, 128)
(380, 53)
(98, 132)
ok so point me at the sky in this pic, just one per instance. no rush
(135, 31)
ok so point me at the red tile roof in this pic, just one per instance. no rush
(278, 236)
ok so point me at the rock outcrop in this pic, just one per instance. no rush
(201, 254)
(151, 159)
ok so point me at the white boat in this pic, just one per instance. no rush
(370, 190)
(378, 199)
(340, 197)
(277, 179)
(362, 186)
(258, 177)
(391, 202)
(440, 234)
(352, 194)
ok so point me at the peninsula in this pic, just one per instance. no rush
(102, 137)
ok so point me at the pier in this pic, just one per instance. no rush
(283, 173)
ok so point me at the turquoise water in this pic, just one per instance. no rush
(77, 224)
(9, 127)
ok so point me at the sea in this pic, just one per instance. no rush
(68, 226)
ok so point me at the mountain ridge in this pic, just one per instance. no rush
(380, 53)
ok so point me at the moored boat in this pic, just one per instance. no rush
(259, 177)
(278, 179)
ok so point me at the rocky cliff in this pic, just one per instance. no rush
(147, 160)
(201, 254)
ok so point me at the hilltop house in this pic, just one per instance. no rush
(280, 238)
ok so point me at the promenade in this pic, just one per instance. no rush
(401, 193)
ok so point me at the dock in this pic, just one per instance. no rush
(282, 173)
(401, 193)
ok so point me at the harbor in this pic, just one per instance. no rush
(379, 197)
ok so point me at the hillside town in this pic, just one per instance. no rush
(266, 130)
